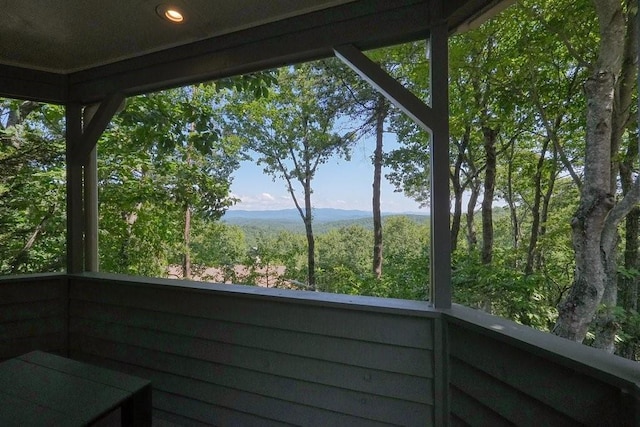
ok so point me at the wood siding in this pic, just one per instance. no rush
(232, 355)
(496, 380)
(221, 358)
(33, 315)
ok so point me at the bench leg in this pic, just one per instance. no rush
(136, 412)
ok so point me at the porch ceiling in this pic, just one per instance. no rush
(82, 51)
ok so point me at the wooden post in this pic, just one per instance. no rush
(440, 210)
(435, 120)
(90, 200)
(82, 180)
(75, 216)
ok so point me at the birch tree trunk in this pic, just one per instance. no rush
(596, 201)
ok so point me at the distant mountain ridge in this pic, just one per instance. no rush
(284, 215)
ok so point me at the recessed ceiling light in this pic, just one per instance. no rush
(170, 13)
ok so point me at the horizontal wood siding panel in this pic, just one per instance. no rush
(269, 312)
(166, 326)
(269, 360)
(18, 291)
(470, 412)
(528, 389)
(33, 315)
(201, 414)
(214, 399)
(258, 358)
(494, 396)
(32, 310)
(168, 419)
(53, 343)
(29, 328)
(258, 383)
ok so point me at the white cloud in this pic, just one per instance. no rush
(262, 201)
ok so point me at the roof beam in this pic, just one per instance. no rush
(397, 94)
(41, 86)
(362, 23)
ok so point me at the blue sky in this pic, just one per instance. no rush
(338, 184)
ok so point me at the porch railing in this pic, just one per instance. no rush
(223, 354)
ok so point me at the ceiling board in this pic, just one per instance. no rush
(67, 36)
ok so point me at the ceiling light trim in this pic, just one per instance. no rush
(171, 13)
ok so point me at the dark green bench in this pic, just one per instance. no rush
(42, 389)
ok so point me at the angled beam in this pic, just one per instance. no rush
(435, 120)
(397, 94)
(82, 180)
(96, 126)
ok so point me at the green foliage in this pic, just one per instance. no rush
(216, 244)
(345, 260)
(32, 191)
(291, 130)
(162, 155)
(501, 290)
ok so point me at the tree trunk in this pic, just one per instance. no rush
(311, 244)
(457, 212)
(607, 324)
(544, 214)
(130, 219)
(458, 187)
(588, 224)
(577, 312)
(22, 256)
(535, 211)
(490, 136)
(186, 256)
(513, 212)
(472, 238)
(380, 115)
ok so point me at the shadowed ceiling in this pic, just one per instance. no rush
(84, 50)
(66, 36)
